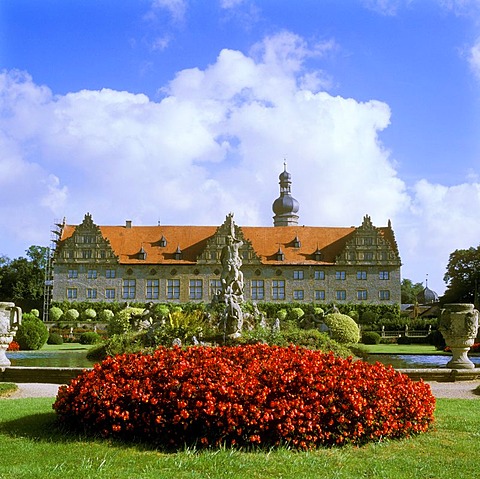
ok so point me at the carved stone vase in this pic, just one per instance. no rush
(458, 325)
(10, 319)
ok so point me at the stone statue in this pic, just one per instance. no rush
(232, 281)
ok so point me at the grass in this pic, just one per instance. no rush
(32, 446)
(65, 347)
(401, 349)
(7, 388)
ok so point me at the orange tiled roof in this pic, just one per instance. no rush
(266, 240)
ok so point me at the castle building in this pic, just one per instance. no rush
(285, 262)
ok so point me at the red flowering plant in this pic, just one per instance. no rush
(244, 395)
(13, 346)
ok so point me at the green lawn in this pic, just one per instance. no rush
(401, 349)
(31, 446)
(65, 347)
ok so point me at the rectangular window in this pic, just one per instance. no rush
(72, 293)
(320, 295)
(341, 275)
(152, 289)
(110, 273)
(196, 289)
(215, 286)
(72, 273)
(92, 274)
(384, 275)
(258, 289)
(361, 275)
(91, 293)
(368, 256)
(86, 253)
(384, 294)
(298, 274)
(110, 293)
(103, 254)
(278, 289)
(173, 289)
(89, 239)
(369, 241)
(362, 294)
(319, 274)
(298, 294)
(129, 287)
(341, 295)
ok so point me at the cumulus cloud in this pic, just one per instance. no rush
(215, 143)
(176, 8)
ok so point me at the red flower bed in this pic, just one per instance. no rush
(13, 346)
(245, 395)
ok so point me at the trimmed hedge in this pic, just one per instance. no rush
(342, 328)
(243, 396)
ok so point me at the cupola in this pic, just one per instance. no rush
(285, 206)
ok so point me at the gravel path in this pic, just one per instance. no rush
(459, 389)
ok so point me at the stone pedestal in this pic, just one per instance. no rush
(458, 325)
(10, 318)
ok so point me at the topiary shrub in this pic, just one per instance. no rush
(89, 314)
(370, 337)
(120, 323)
(71, 315)
(105, 315)
(89, 337)
(35, 312)
(55, 313)
(282, 314)
(342, 328)
(55, 338)
(242, 396)
(32, 334)
(296, 314)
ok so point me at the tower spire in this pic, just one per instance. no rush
(285, 206)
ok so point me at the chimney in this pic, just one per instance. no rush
(128, 224)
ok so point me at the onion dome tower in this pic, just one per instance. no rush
(285, 206)
(427, 296)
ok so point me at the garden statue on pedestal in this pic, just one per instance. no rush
(10, 319)
(458, 325)
(232, 282)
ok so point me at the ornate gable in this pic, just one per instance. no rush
(370, 245)
(85, 245)
(215, 244)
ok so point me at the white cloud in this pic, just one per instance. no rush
(215, 143)
(176, 8)
(474, 58)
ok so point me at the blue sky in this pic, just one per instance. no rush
(181, 111)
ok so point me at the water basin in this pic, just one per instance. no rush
(50, 359)
(416, 361)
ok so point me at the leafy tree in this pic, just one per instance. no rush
(463, 276)
(409, 291)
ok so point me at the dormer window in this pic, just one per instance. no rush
(178, 253)
(318, 255)
(142, 254)
(163, 242)
(280, 255)
(296, 242)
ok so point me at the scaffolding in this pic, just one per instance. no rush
(55, 235)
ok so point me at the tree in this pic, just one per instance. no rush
(410, 291)
(463, 276)
(22, 279)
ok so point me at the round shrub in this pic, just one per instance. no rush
(282, 314)
(120, 323)
(244, 395)
(295, 314)
(32, 334)
(371, 337)
(35, 312)
(105, 315)
(55, 313)
(342, 328)
(89, 314)
(71, 315)
(89, 337)
(54, 338)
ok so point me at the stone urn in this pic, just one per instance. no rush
(458, 325)
(10, 319)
